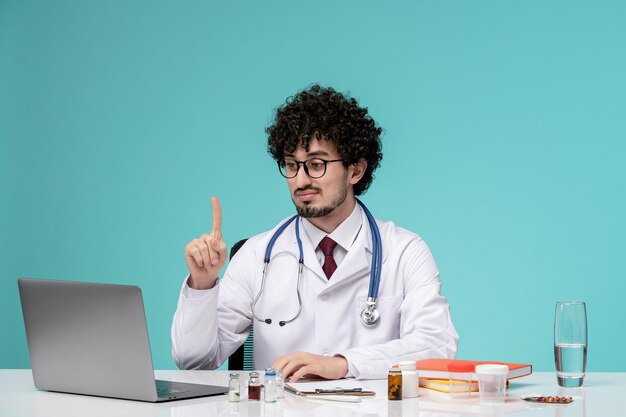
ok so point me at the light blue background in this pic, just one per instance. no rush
(504, 148)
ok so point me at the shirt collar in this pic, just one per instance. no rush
(345, 234)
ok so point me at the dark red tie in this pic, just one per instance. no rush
(327, 245)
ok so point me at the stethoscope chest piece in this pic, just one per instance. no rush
(370, 315)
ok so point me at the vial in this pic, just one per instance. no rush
(394, 384)
(270, 385)
(254, 387)
(233, 388)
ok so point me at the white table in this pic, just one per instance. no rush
(602, 396)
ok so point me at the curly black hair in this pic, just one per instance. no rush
(323, 113)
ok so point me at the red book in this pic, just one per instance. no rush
(438, 368)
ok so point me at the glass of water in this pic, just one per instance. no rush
(570, 342)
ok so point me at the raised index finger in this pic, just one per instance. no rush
(216, 230)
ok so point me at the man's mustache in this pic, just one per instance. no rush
(310, 187)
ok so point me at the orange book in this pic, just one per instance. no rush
(438, 368)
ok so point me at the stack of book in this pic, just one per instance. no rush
(434, 374)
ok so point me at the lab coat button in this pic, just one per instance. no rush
(324, 297)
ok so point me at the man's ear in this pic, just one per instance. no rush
(357, 171)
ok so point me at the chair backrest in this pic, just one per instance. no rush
(242, 358)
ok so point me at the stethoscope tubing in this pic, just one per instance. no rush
(375, 269)
(377, 255)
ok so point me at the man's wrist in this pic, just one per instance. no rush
(344, 367)
(349, 366)
(201, 286)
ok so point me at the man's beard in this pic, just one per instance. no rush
(310, 211)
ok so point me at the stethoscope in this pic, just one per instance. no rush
(369, 315)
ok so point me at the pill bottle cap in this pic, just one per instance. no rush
(408, 365)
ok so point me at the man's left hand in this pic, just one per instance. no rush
(300, 364)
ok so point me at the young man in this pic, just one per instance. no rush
(327, 148)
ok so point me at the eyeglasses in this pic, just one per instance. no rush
(314, 168)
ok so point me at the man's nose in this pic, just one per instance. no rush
(302, 179)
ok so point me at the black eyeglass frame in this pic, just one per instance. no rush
(281, 165)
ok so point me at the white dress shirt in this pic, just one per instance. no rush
(345, 235)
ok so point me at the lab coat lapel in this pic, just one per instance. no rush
(353, 265)
(288, 242)
(358, 258)
(310, 258)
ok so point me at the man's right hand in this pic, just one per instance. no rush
(206, 255)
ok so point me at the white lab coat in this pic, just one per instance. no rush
(414, 320)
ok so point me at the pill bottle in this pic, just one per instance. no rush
(394, 384)
(410, 379)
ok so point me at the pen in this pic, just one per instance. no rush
(337, 390)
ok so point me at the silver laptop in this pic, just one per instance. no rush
(87, 338)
